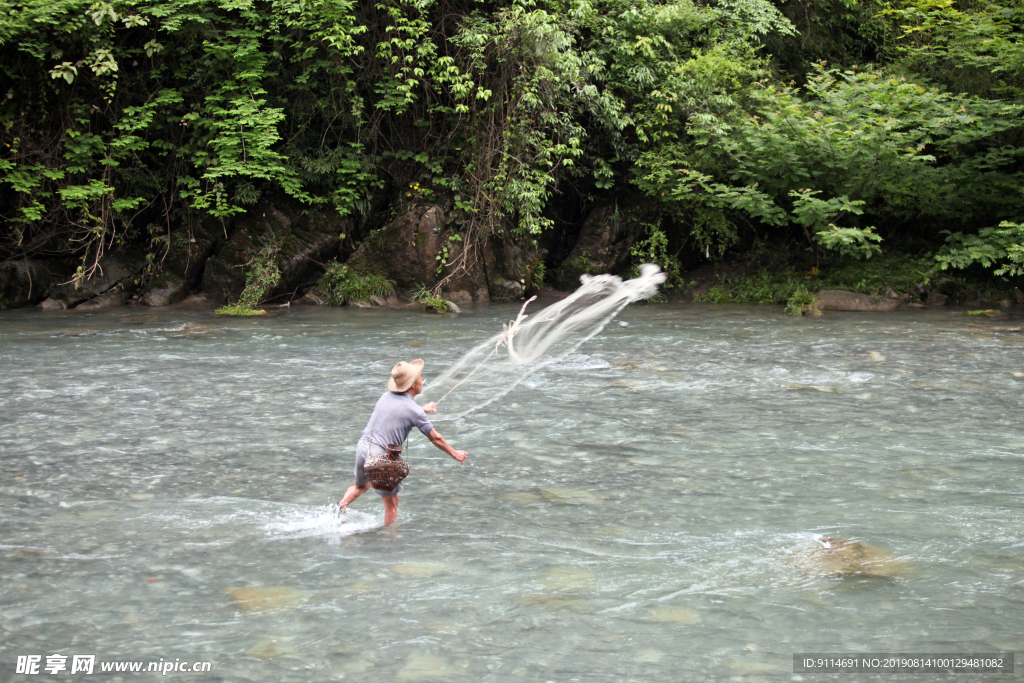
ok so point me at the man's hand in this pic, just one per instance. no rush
(430, 407)
(438, 440)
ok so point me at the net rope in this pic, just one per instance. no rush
(531, 343)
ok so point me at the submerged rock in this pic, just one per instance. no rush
(270, 647)
(570, 496)
(554, 602)
(417, 570)
(810, 387)
(137, 319)
(523, 498)
(676, 615)
(845, 557)
(192, 330)
(426, 668)
(568, 579)
(264, 598)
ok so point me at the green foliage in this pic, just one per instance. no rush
(239, 309)
(762, 287)
(903, 273)
(1001, 249)
(537, 270)
(778, 284)
(971, 47)
(816, 216)
(432, 302)
(654, 249)
(262, 275)
(443, 253)
(862, 140)
(340, 284)
(117, 116)
(840, 32)
(800, 301)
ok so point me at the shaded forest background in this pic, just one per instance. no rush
(816, 132)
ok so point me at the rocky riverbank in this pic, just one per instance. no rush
(420, 246)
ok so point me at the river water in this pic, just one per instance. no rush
(647, 510)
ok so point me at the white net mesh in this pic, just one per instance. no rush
(532, 342)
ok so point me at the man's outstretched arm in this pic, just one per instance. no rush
(439, 441)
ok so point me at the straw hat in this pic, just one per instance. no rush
(404, 375)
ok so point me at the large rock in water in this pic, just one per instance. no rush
(841, 300)
(306, 238)
(405, 249)
(24, 282)
(120, 269)
(605, 239)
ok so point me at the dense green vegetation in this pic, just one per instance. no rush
(837, 124)
(432, 303)
(340, 285)
(260, 277)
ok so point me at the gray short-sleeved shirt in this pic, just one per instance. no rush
(394, 416)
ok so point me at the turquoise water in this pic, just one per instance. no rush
(644, 511)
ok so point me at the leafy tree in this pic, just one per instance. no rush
(851, 146)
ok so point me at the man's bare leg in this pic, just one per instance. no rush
(351, 494)
(390, 508)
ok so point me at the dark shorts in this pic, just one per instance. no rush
(364, 449)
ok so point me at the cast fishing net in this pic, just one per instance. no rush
(532, 342)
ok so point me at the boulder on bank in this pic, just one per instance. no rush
(469, 283)
(165, 290)
(842, 300)
(605, 239)
(313, 238)
(181, 269)
(404, 250)
(307, 239)
(112, 297)
(507, 265)
(24, 282)
(121, 269)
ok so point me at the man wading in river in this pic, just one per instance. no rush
(393, 418)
